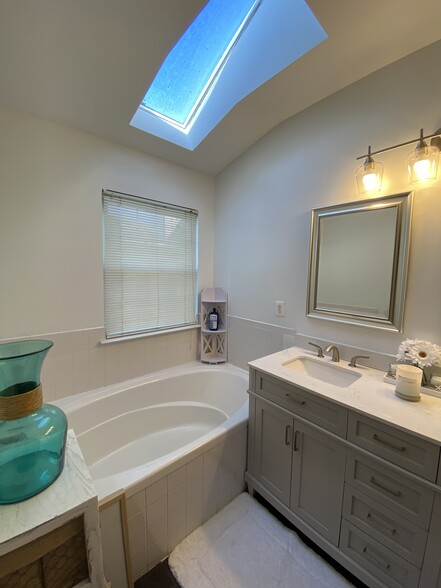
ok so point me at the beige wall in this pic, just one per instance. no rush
(51, 178)
(263, 201)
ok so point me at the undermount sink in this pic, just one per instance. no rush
(325, 372)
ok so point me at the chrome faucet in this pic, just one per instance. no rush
(335, 353)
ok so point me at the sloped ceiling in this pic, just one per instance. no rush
(88, 63)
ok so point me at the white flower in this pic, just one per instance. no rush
(420, 352)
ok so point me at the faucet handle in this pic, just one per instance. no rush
(319, 349)
(353, 361)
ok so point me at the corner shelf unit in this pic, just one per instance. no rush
(214, 343)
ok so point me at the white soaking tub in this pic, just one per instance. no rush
(134, 432)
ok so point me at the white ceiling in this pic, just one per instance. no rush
(88, 64)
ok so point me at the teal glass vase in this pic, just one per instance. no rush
(32, 434)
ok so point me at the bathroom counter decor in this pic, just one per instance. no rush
(54, 537)
(32, 434)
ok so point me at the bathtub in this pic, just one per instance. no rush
(134, 432)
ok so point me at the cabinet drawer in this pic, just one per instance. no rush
(407, 451)
(405, 496)
(401, 536)
(379, 561)
(327, 414)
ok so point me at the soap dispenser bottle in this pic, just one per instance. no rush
(213, 320)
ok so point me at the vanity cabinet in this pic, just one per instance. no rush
(431, 573)
(317, 480)
(296, 462)
(365, 491)
(273, 452)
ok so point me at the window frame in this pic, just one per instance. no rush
(150, 206)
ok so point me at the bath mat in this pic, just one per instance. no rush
(244, 546)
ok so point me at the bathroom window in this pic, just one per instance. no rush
(150, 265)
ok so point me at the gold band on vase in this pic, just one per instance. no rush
(21, 405)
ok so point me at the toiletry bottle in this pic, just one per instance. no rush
(213, 320)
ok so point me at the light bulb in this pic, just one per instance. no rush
(370, 175)
(422, 164)
(370, 182)
(422, 169)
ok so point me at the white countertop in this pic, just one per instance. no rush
(369, 395)
(59, 502)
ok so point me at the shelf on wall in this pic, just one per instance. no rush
(214, 343)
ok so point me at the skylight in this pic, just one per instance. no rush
(230, 49)
(194, 62)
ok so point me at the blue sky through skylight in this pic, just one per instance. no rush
(188, 70)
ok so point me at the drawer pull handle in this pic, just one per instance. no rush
(375, 560)
(400, 448)
(396, 493)
(296, 437)
(301, 402)
(388, 528)
(287, 435)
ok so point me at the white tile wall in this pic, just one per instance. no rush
(78, 361)
(249, 340)
(166, 511)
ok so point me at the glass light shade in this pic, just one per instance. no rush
(422, 164)
(369, 176)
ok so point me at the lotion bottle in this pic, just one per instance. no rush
(213, 320)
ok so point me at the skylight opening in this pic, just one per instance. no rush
(231, 49)
(191, 69)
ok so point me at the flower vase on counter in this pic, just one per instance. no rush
(32, 434)
(422, 354)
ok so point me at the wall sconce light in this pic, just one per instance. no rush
(370, 175)
(422, 164)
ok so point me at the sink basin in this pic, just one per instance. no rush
(325, 372)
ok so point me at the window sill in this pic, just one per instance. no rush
(151, 334)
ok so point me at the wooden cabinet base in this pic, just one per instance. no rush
(57, 560)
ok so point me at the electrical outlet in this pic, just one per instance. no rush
(280, 307)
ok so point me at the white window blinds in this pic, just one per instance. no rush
(150, 265)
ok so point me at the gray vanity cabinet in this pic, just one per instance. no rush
(273, 453)
(301, 466)
(365, 491)
(431, 572)
(318, 471)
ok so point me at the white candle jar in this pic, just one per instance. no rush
(408, 382)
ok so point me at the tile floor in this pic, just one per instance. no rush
(159, 577)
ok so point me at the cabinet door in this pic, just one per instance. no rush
(431, 572)
(273, 451)
(318, 471)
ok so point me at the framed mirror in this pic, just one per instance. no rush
(358, 262)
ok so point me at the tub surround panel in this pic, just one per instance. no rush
(78, 361)
(167, 510)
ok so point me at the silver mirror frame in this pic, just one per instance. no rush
(394, 322)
